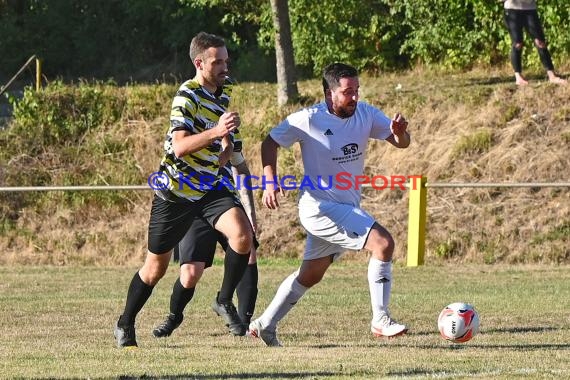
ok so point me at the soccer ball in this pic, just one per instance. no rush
(458, 322)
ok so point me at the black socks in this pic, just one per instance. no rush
(138, 294)
(247, 293)
(179, 298)
(234, 268)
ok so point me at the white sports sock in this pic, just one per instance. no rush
(289, 292)
(380, 283)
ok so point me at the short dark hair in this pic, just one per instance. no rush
(335, 71)
(202, 42)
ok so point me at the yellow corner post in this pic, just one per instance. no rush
(38, 74)
(417, 221)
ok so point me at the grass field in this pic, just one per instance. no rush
(57, 323)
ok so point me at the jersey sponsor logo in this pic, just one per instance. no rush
(209, 124)
(328, 132)
(349, 149)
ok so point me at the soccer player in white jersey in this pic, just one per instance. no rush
(333, 136)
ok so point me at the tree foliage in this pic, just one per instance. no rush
(460, 33)
(90, 38)
(147, 39)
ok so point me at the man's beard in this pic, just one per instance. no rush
(345, 112)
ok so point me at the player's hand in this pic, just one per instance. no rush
(269, 197)
(227, 123)
(398, 125)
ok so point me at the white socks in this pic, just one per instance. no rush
(380, 283)
(289, 292)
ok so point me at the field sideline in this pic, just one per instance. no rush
(57, 323)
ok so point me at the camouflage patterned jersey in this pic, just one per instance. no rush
(194, 109)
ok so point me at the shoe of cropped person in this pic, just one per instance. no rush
(269, 337)
(387, 327)
(166, 328)
(230, 315)
(246, 320)
(125, 336)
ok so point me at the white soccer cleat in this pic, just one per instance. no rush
(387, 327)
(269, 337)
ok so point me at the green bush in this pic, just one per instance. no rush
(62, 114)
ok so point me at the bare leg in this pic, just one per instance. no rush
(520, 80)
(553, 78)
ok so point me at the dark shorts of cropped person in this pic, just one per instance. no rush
(169, 221)
(199, 243)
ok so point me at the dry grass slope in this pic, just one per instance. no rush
(466, 127)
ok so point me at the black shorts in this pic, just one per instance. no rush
(199, 243)
(170, 221)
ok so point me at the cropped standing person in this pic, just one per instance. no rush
(197, 250)
(333, 136)
(523, 15)
(196, 142)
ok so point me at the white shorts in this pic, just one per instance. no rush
(333, 228)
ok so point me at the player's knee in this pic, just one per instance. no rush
(189, 282)
(242, 242)
(387, 248)
(151, 274)
(382, 247)
(189, 279)
(309, 280)
(539, 43)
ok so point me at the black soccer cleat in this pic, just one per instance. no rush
(231, 317)
(125, 336)
(168, 326)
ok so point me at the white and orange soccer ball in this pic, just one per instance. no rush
(458, 322)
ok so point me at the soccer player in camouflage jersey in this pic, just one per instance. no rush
(198, 142)
(197, 249)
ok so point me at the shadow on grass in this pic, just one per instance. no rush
(519, 329)
(508, 330)
(400, 342)
(467, 346)
(261, 375)
(471, 346)
(522, 347)
(491, 80)
(533, 79)
(444, 373)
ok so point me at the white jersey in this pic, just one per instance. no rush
(333, 149)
